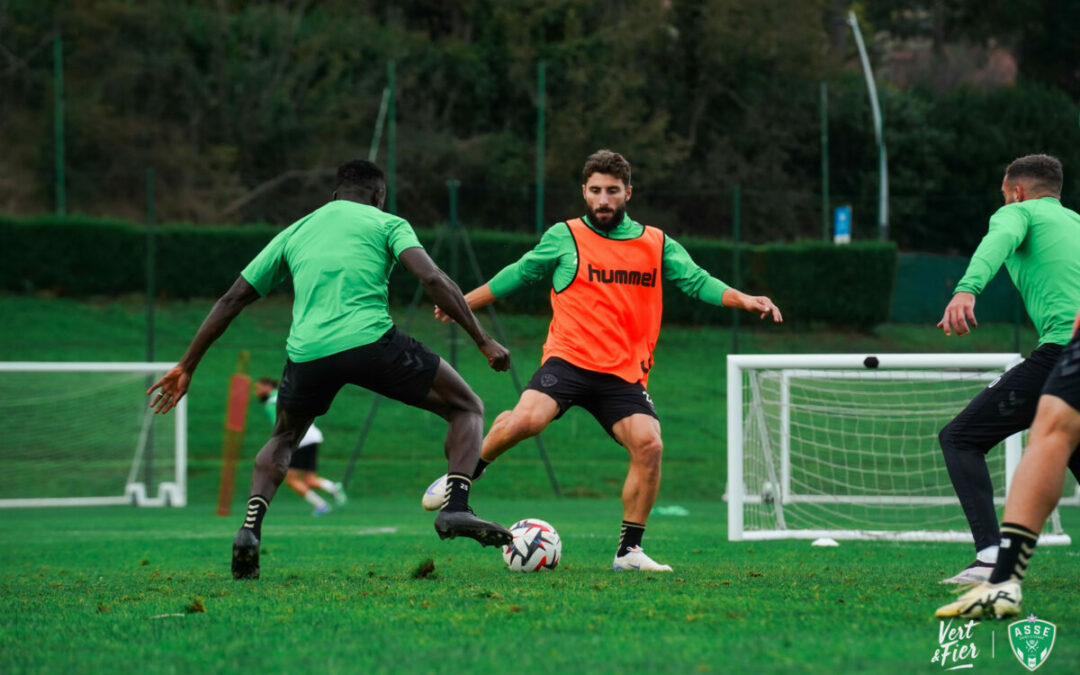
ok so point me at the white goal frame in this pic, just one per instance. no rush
(136, 493)
(885, 366)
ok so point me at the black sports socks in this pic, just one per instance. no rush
(256, 511)
(480, 466)
(629, 536)
(457, 492)
(1017, 547)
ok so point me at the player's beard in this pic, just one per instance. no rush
(611, 218)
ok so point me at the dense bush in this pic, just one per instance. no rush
(811, 281)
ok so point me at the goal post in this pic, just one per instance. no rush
(845, 446)
(83, 434)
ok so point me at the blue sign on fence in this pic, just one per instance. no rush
(842, 225)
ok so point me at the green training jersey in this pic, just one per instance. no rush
(270, 407)
(339, 258)
(1038, 240)
(555, 257)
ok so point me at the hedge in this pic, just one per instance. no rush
(848, 285)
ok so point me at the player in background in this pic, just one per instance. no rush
(605, 272)
(1038, 240)
(339, 258)
(1035, 491)
(302, 475)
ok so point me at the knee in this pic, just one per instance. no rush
(647, 452)
(523, 424)
(273, 459)
(947, 438)
(470, 404)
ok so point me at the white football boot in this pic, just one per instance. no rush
(340, 498)
(975, 573)
(984, 600)
(635, 559)
(435, 495)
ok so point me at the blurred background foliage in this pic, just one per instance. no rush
(244, 109)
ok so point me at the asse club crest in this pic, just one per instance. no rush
(1032, 640)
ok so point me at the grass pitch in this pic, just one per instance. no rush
(149, 590)
(144, 590)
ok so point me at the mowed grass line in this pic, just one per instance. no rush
(143, 590)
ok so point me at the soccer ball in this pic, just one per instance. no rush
(536, 546)
(768, 493)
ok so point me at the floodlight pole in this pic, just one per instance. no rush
(883, 166)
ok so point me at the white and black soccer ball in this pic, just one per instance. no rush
(536, 546)
(768, 493)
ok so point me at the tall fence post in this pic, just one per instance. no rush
(455, 241)
(825, 161)
(58, 123)
(736, 245)
(391, 141)
(541, 104)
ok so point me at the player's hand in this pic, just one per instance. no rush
(173, 386)
(1076, 323)
(498, 356)
(762, 304)
(958, 312)
(441, 315)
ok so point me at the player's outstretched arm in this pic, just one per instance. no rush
(175, 383)
(752, 303)
(476, 298)
(958, 312)
(448, 298)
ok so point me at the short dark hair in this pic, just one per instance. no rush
(606, 162)
(1043, 171)
(360, 174)
(267, 380)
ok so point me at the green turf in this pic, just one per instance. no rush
(121, 590)
(126, 590)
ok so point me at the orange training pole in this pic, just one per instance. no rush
(235, 423)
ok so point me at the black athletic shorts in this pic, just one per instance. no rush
(306, 458)
(1064, 380)
(609, 398)
(395, 366)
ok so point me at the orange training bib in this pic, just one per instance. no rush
(608, 318)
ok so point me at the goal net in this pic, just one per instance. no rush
(83, 434)
(845, 446)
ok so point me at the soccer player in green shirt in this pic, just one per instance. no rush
(1038, 241)
(339, 258)
(1035, 491)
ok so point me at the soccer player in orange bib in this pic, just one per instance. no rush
(605, 271)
